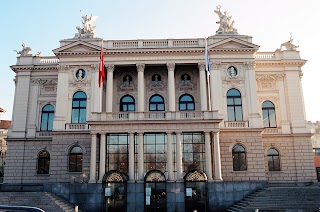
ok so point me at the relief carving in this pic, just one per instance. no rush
(267, 82)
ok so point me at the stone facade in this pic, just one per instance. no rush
(224, 108)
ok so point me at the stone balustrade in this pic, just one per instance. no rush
(236, 124)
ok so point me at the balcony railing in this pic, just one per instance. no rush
(147, 116)
(272, 131)
(73, 126)
(236, 124)
(43, 134)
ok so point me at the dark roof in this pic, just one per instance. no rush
(5, 124)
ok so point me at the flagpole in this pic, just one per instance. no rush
(207, 59)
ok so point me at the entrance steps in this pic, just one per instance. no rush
(44, 200)
(281, 199)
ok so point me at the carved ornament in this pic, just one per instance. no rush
(171, 66)
(110, 68)
(140, 67)
(249, 65)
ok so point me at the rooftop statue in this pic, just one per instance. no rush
(226, 22)
(88, 30)
(289, 45)
(25, 50)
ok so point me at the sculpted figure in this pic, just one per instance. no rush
(226, 22)
(87, 23)
(289, 45)
(25, 50)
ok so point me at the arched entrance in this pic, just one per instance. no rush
(115, 191)
(196, 191)
(155, 191)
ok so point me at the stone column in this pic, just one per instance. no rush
(33, 106)
(140, 156)
(171, 87)
(179, 155)
(203, 86)
(102, 167)
(169, 156)
(131, 156)
(109, 99)
(215, 88)
(217, 159)
(141, 98)
(285, 124)
(251, 84)
(208, 155)
(93, 159)
(96, 92)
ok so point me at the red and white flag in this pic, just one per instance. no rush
(101, 67)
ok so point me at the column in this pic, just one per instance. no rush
(254, 115)
(33, 106)
(217, 159)
(96, 92)
(171, 87)
(285, 124)
(93, 159)
(208, 155)
(179, 155)
(140, 156)
(169, 156)
(215, 88)
(141, 98)
(131, 156)
(102, 167)
(203, 86)
(110, 69)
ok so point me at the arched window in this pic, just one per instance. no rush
(127, 80)
(75, 159)
(268, 114)
(79, 107)
(156, 103)
(273, 160)
(186, 102)
(185, 79)
(127, 103)
(156, 79)
(239, 158)
(47, 115)
(234, 105)
(43, 162)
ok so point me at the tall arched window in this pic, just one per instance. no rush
(79, 107)
(156, 103)
(43, 162)
(273, 160)
(268, 114)
(239, 158)
(47, 115)
(234, 105)
(75, 159)
(186, 102)
(127, 103)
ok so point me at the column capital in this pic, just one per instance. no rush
(110, 67)
(102, 133)
(171, 66)
(62, 68)
(170, 132)
(178, 132)
(95, 67)
(216, 65)
(249, 65)
(140, 67)
(202, 66)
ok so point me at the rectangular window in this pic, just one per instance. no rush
(193, 152)
(117, 152)
(155, 152)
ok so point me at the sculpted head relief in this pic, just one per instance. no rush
(226, 22)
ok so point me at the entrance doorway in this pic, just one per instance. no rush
(196, 191)
(115, 191)
(155, 191)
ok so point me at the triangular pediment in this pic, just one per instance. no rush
(233, 44)
(77, 46)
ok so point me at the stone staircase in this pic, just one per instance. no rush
(44, 200)
(288, 199)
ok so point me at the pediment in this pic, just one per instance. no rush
(77, 47)
(233, 44)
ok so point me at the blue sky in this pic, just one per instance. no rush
(41, 24)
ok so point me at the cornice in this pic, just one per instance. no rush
(280, 63)
(32, 67)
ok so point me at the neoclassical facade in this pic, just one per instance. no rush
(164, 132)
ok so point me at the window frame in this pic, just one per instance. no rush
(76, 164)
(157, 103)
(77, 109)
(268, 109)
(272, 157)
(186, 103)
(127, 104)
(43, 163)
(234, 105)
(236, 158)
(49, 115)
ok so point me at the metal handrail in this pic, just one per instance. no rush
(21, 208)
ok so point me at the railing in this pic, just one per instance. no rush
(265, 55)
(161, 43)
(157, 43)
(236, 124)
(43, 134)
(186, 43)
(49, 60)
(73, 126)
(169, 115)
(125, 44)
(272, 131)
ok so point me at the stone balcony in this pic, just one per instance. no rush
(154, 116)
